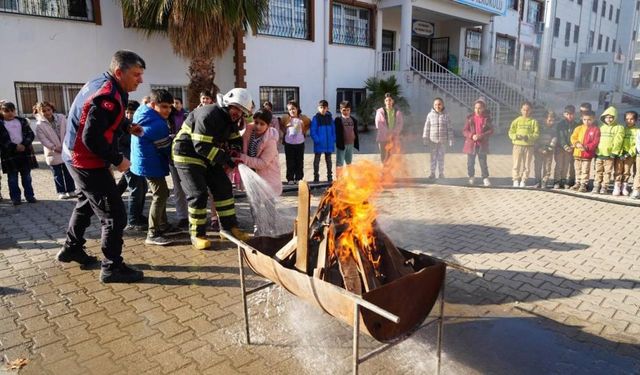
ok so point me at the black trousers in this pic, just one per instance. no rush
(99, 196)
(197, 181)
(295, 161)
(316, 165)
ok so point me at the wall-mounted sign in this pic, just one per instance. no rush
(491, 6)
(422, 28)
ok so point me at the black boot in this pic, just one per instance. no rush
(119, 273)
(75, 254)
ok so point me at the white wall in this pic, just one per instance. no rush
(63, 51)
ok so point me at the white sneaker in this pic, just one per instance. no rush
(635, 194)
(62, 196)
(603, 190)
(625, 189)
(486, 182)
(616, 190)
(471, 180)
(516, 183)
(522, 184)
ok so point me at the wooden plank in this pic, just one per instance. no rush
(323, 251)
(350, 274)
(366, 270)
(393, 263)
(288, 249)
(302, 226)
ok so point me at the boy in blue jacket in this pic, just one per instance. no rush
(150, 155)
(323, 133)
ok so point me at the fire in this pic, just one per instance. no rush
(352, 198)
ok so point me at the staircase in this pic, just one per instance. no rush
(450, 83)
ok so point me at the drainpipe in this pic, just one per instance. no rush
(325, 48)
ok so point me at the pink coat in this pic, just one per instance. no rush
(266, 163)
(50, 140)
(384, 134)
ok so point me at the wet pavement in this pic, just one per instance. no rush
(560, 292)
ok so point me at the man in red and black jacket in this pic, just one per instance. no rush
(96, 120)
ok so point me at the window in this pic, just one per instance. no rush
(81, 10)
(603, 10)
(279, 96)
(288, 18)
(604, 73)
(61, 95)
(563, 69)
(606, 45)
(512, 4)
(576, 33)
(610, 12)
(599, 42)
(618, 15)
(592, 37)
(534, 13)
(505, 50)
(175, 91)
(473, 42)
(613, 46)
(354, 96)
(595, 74)
(556, 27)
(351, 25)
(552, 68)
(530, 59)
(567, 34)
(571, 70)
(595, 6)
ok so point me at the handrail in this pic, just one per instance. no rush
(450, 83)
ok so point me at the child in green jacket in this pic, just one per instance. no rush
(523, 132)
(629, 152)
(609, 149)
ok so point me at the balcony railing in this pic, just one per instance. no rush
(81, 10)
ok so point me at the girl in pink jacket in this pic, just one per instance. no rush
(50, 130)
(389, 122)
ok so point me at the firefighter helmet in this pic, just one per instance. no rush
(239, 97)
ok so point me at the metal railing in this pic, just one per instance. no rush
(389, 61)
(491, 80)
(81, 10)
(445, 80)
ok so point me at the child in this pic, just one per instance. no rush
(295, 125)
(628, 157)
(389, 122)
(16, 153)
(50, 131)
(260, 153)
(477, 131)
(323, 133)
(437, 133)
(584, 139)
(346, 136)
(206, 98)
(150, 155)
(610, 146)
(564, 150)
(544, 151)
(523, 132)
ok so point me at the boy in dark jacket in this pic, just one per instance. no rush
(323, 133)
(346, 136)
(16, 152)
(564, 150)
(544, 147)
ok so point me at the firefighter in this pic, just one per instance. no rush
(201, 154)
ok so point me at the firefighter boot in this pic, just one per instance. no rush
(239, 234)
(200, 243)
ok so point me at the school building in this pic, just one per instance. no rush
(550, 52)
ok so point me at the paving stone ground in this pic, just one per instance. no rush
(560, 292)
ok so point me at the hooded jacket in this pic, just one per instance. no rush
(589, 137)
(611, 136)
(629, 142)
(51, 139)
(384, 133)
(524, 131)
(323, 133)
(151, 151)
(266, 163)
(437, 127)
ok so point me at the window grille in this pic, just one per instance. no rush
(287, 18)
(81, 10)
(354, 96)
(61, 95)
(530, 59)
(505, 50)
(279, 96)
(351, 25)
(473, 45)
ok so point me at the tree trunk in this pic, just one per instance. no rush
(201, 77)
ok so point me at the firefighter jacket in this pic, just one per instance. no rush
(205, 136)
(611, 136)
(589, 137)
(524, 131)
(629, 142)
(96, 120)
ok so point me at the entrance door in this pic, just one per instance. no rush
(439, 50)
(388, 50)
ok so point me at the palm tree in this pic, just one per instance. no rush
(198, 31)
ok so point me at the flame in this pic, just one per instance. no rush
(352, 198)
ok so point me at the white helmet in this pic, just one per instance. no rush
(239, 97)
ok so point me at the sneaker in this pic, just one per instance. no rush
(625, 189)
(596, 189)
(120, 273)
(431, 177)
(157, 240)
(291, 182)
(516, 183)
(239, 234)
(523, 184)
(71, 195)
(635, 194)
(471, 180)
(62, 196)
(67, 255)
(575, 187)
(486, 181)
(603, 190)
(136, 227)
(556, 186)
(215, 226)
(582, 189)
(32, 200)
(616, 190)
(16, 202)
(172, 230)
(200, 243)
